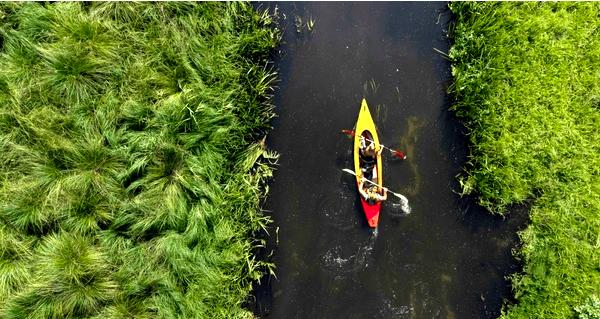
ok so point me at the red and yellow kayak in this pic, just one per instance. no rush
(366, 127)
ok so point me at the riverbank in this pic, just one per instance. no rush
(131, 162)
(527, 87)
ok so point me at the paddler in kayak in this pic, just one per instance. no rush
(368, 156)
(370, 193)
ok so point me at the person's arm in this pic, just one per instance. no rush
(384, 197)
(361, 190)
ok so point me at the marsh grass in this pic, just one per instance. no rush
(527, 84)
(131, 166)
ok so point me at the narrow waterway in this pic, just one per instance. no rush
(448, 258)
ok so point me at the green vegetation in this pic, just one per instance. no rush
(527, 81)
(589, 310)
(131, 167)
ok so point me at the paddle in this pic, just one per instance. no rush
(403, 200)
(398, 154)
(347, 170)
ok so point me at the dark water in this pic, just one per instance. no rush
(448, 258)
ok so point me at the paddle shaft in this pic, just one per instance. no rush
(397, 153)
(364, 179)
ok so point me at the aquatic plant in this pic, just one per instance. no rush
(528, 89)
(131, 160)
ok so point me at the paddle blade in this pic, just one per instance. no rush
(399, 154)
(347, 170)
(403, 202)
(350, 133)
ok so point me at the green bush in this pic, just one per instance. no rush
(131, 169)
(527, 83)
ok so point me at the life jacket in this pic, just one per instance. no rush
(368, 160)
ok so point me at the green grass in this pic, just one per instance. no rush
(131, 166)
(527, 83)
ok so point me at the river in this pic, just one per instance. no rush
(448, 258)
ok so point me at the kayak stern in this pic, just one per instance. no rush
(371, 212)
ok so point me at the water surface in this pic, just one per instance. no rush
(448, 258)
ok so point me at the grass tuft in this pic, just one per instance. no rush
(131, 164)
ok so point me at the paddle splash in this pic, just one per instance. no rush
(403, 205)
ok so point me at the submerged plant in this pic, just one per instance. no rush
(131, 167)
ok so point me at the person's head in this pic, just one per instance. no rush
(373, 189)
(370, 149)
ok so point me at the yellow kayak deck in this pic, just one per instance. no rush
(365, 124)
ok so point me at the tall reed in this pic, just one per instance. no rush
(527, 83)
(131, 167)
